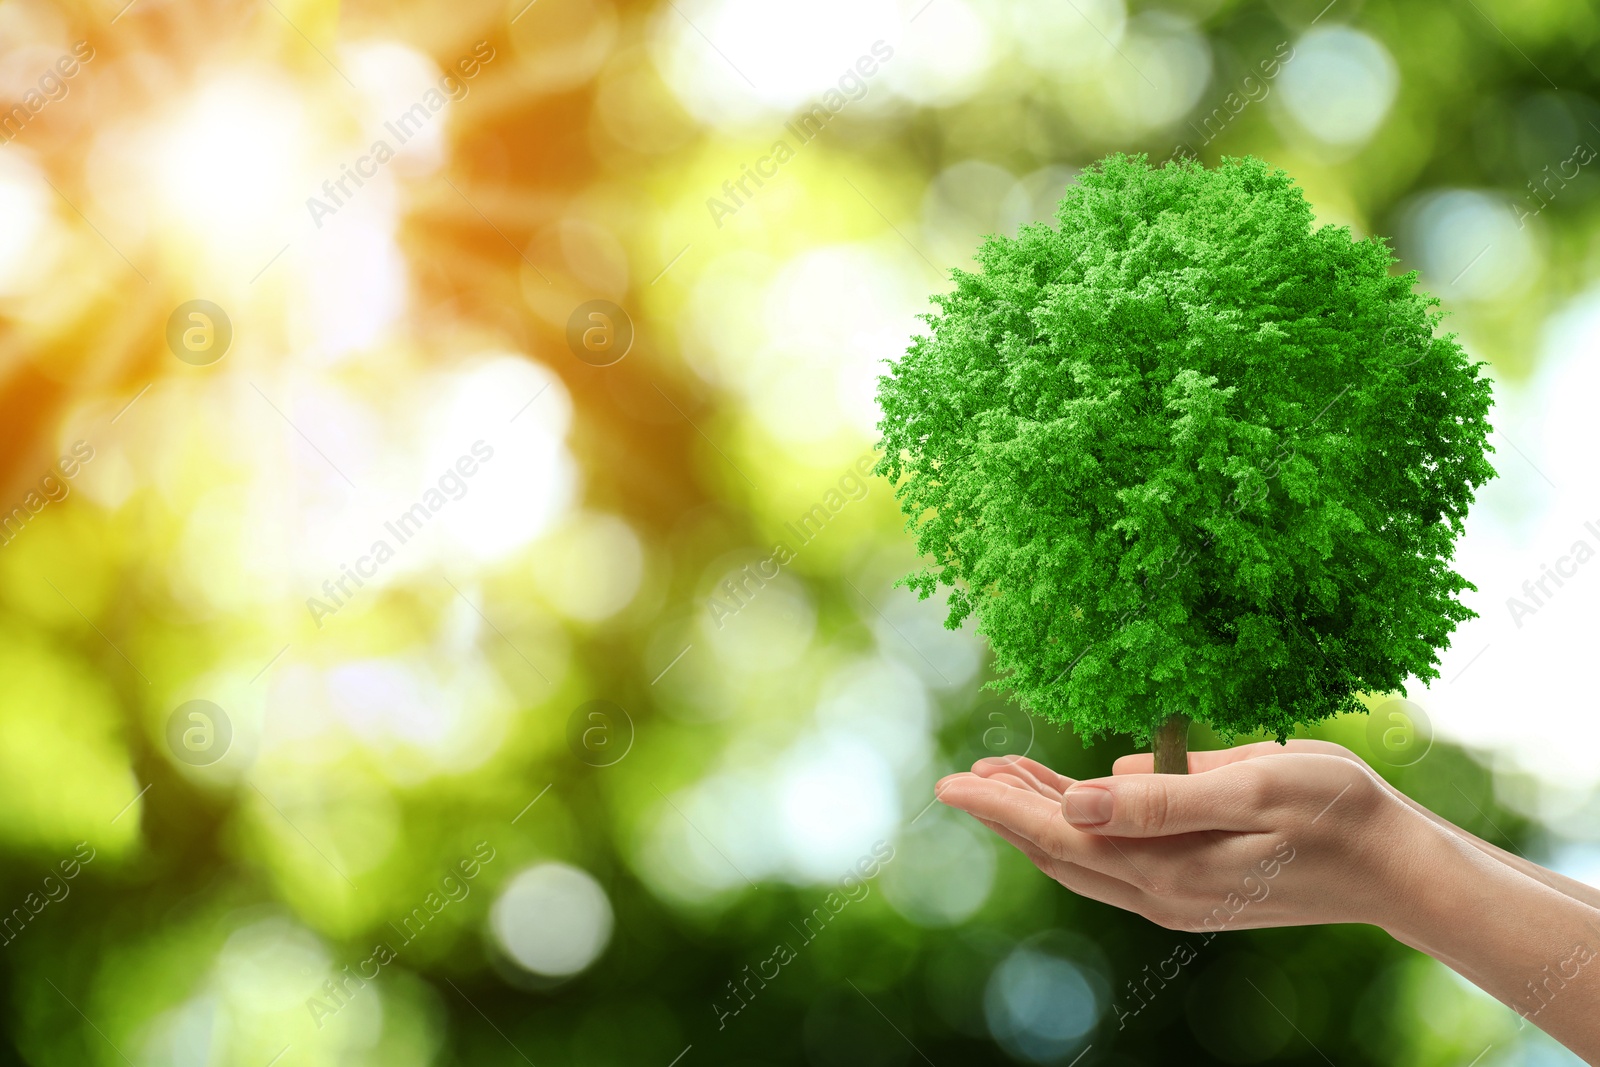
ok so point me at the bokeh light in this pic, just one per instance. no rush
(1041, 1006)
(552, 919)
(1338, 85)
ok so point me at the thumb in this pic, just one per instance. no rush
(1158, 805)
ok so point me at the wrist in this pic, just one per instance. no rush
(1439, 889)
(1413, 867)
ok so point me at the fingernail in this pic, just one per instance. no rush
(1086, 805)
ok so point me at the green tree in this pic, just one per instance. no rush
(1189, 455)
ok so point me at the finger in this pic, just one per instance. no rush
(1022, 811)
(1013, 781)
(1041, 778)
(942, 787)
(1040, 859)
(1232, 797)
(1081, 880)
(1211, 759)
(1208, 760)
(1039, 820)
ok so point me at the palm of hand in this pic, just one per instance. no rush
(1258, 836)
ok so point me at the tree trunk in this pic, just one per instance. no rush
(1171, 746)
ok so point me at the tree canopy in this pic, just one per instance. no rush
(1188, 452)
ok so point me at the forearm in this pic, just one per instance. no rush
(1581, 891)
(1534, 948)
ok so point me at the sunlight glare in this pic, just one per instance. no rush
(230, 165)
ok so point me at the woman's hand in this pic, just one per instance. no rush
(1268, 835)
(1285, 839)
(1144, 763)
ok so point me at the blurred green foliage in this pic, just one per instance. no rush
(371, 755)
